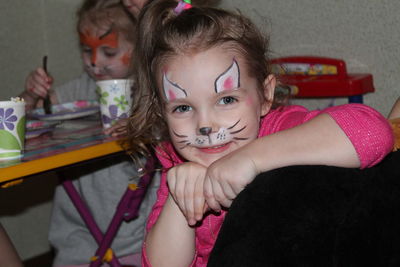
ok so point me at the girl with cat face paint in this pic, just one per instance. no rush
(204, 102)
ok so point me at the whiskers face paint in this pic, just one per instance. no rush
(223, 136)
(211, 104)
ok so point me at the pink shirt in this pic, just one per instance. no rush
(368, 130)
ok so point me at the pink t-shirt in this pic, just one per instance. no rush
(367, 129)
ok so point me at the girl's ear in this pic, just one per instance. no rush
(269, 90)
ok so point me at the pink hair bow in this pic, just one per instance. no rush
(182, 5)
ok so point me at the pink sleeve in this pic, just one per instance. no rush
(369, 132)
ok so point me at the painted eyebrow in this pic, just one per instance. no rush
(106, 33)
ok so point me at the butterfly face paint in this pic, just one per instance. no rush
(108, 39)
(207, 108)
(106, 55)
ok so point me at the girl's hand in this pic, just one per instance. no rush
(118, 129)
(227, 177)
(186, 183)
(38, 83)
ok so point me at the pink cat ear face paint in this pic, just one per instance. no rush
(172, 91)
(228, 80)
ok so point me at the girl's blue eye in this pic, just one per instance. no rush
(226, 100)
(182, 108)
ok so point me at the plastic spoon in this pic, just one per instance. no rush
(46, 101)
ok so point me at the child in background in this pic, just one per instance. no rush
(106, 33)
(204, 101)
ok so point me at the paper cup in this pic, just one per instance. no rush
(115, 100)
(12, 129)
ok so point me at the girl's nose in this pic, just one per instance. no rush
(93, 58)
(205, 130)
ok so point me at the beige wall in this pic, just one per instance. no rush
(31, 29)
(362, 32)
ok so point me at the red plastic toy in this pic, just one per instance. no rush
(314, 77)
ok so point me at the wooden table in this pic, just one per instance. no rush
(71, 142)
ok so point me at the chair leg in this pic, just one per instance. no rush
(127, 209)
(86, 215)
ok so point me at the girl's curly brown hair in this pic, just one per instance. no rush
(162, 34)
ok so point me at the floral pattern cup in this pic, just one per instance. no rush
(12, 129)
(115, 100)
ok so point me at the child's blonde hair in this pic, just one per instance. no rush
(100, 13)
(162, 34)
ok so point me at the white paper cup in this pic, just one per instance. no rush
(115, 100)
(12, 129)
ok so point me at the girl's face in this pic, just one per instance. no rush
(106, 55)
(134, 6)
(212, 105)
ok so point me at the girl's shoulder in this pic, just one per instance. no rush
(283, 117)
(167, 155)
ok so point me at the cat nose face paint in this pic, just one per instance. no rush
(205, 130)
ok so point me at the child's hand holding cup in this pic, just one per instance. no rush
(115, 104)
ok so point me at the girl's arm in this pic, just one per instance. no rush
(8, 254)
(168, 232)
(395, 112)
(170, 242)
(353, 136)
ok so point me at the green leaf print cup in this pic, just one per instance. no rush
(12, 129)
(115, 100)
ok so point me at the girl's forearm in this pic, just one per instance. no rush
(170, 242)
(395, 112)
(319, 141)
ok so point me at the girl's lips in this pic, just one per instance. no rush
(215, 149)
(100, 76)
